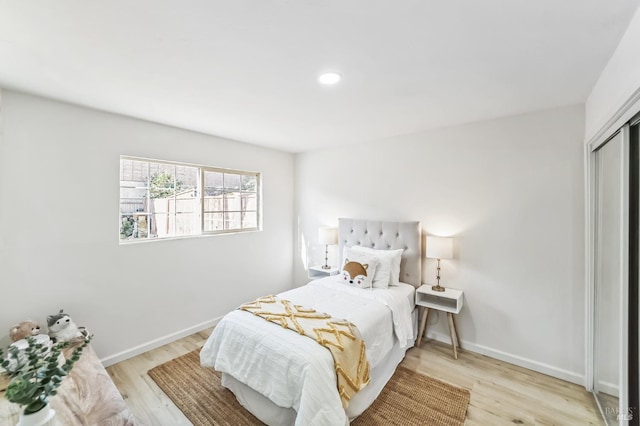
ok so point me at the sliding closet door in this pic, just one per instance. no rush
(611, 275)
(634, 269)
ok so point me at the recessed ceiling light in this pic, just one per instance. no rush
(329, 78)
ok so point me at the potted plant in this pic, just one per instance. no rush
(37, 377)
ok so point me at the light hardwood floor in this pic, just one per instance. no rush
(501, 393)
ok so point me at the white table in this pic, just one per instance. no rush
(318, 272)
(449, 301)
(87, 396)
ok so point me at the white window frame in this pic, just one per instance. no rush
(201, 195)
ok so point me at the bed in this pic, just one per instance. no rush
(284, 378)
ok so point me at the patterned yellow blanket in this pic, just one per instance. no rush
(339, 336)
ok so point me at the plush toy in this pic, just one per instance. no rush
(63, 329)
(24, 329)
(18, 333)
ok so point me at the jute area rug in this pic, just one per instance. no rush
(408, 399)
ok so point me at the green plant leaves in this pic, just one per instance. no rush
(38, 378)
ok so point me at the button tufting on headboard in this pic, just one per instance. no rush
(387, 235)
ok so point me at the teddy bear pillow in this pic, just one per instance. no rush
(358, 274)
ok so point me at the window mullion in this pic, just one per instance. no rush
(201, 192)
(148, 209)
(224, 202)
(175, 202)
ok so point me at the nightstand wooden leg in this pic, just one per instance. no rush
(423, 323)
(451, 332)
(455, 328)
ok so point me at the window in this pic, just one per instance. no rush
(160, 199)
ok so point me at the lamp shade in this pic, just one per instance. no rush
(328, 236)
(439, 247)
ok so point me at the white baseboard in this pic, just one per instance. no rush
(137, 350)
(445, 338)
(608, 388)
(540, 367)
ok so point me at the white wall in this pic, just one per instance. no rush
(59, 191)
(510, 191)
(618, 82)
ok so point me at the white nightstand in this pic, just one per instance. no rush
(317, 271)
(449, 301)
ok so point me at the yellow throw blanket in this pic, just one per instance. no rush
(339, 336)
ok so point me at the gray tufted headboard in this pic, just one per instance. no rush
(386, 236)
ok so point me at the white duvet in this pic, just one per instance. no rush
(293, 370)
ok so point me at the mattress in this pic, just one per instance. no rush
(294, 371)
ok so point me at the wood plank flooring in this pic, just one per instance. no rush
(501, 393)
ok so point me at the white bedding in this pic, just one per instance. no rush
(294, 371)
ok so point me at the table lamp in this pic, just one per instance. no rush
(439, 248)
(328, 237)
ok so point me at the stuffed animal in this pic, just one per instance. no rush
(18, 333)
(24, 329)
(63, 329)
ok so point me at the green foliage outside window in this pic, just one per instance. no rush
(249, 183)
(126, 227)
(162, 185)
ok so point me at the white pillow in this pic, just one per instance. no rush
(388, 259)
(358, 274)
(382, 271)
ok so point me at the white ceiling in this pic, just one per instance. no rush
(247, 69)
